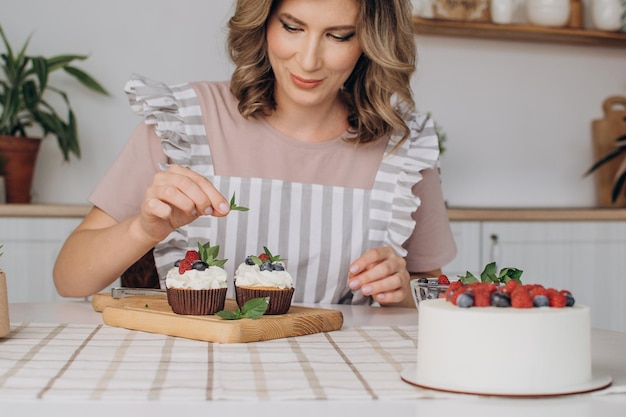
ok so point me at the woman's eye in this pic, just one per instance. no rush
(341, 38)
(290, 28)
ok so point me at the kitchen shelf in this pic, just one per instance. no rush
(458, 214)
(528, 33)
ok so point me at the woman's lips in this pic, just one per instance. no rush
(304, 83)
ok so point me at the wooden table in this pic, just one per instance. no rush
(362, 322)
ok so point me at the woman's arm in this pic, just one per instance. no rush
(100, 248)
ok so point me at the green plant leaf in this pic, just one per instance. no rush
(618, 186)
(86, 80)
(229, 315)
(252, 309)
(234, 206)
(255, 308)
(489, 275)
(468, 278)
(209, 254)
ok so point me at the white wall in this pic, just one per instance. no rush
(517, 114)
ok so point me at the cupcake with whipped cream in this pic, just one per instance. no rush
(264, 276)
(197, 284)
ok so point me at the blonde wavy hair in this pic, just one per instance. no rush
(377, 93)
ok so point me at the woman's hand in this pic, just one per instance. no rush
(175, 198)
(381, 273)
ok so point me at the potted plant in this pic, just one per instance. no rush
(25, 105)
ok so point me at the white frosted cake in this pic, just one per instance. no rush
(503, 351)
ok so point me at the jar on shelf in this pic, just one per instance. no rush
(552, 13)
(607, 14)
(501, 11)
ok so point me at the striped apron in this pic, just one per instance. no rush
(319, 230)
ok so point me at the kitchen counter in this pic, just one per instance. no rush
(454, 213)
(70, 364)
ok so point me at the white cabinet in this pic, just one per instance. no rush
(467, 237)
(31, 246)
(586, 257)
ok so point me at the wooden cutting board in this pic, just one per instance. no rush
(605, 131)
(153, 314)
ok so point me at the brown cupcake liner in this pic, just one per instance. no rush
(196, 302)
(279, 303)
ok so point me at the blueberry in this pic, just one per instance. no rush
(569, 300)
(249, 260)
(541, 301)
(278, 266)
(177, 263)
(199, 265)
(433, 294)
(465, 300)
(423, 280)
(500, 299)
(266, 266)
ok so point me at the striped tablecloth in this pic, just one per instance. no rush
(98, 362)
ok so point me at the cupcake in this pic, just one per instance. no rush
(197, 284)
(264, 276)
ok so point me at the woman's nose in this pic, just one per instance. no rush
(311, 55)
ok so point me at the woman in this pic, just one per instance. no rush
(314, 133)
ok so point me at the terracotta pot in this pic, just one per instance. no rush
(20, 156)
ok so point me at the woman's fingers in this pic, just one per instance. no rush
(381, 273)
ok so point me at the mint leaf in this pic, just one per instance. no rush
(209, 254)
(252, 309)
(255, 308)
(468, 278)
(489, 275)
(229, 315)
(234, 206)
(273, 258)
(507, 274)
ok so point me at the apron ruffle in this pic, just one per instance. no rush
(157, 103)
(402, 166)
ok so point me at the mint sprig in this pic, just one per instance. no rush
(252, 309)
(209, 253)
(234, 206)
(490, 275)
(273, 258)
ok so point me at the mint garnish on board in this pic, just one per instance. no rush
(491, 275)
(252, 309)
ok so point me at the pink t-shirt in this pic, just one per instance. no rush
(253, 148)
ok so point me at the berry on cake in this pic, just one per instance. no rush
(197, 284)
(263, 276)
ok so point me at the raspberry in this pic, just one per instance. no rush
(557, 299)
(521, 299)
(452, 296)
(264, 257)
(538, 290)
(443, 280)
(192, 255)
(452, 288)
(509, 287)
(184, 265)
(482, 299)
